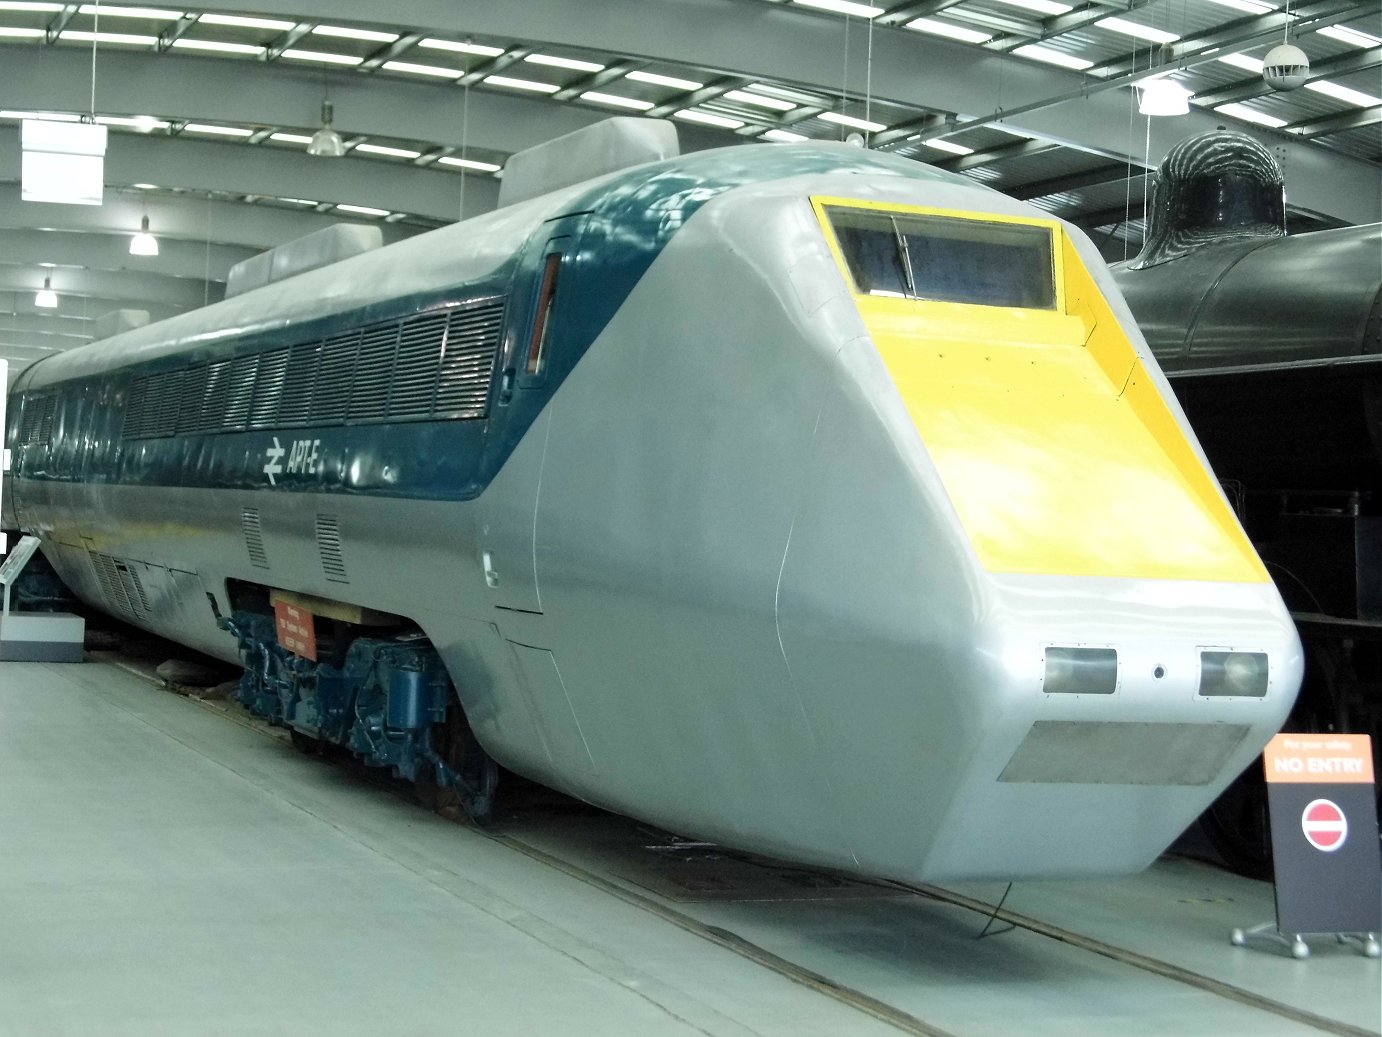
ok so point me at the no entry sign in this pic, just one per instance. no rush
(1324, 833)
(1324, 824)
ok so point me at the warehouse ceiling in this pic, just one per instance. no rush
(210, 110)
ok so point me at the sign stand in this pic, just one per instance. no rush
(1324, 844)
(53, 637)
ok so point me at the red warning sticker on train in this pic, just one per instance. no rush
(1324, 825)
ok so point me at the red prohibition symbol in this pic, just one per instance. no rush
(1324, 825)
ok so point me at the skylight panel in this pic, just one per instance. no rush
(130, 39)
(468, 163)
(852, 122)
(157, 14)
(1243, 61)
(381, 149)
(1141, 32)
(324, 57)
(462, 48)
(1250, 6)
(559, 62)
(41, 8)
(660, 80)
(1242, 111)
(436, 71)
(142, 123)
(291, 138)
(46, 116)
(948, 145)
(1053, 57)
(708, 119)
(1041, 6)
(954, 32)
(783, 136)
(1352, 37)
(17, 33)
(363, 210)
(531, 85)
(245, 22)
(616, 101)
(843, 7)
(217, 131)
(220, 46)
(759, 101)
(1343, 93)
(346, 32)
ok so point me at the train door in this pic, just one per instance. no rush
(519, 423)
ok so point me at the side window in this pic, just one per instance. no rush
(542, 323)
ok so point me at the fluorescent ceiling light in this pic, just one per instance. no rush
(108, 37)
(1251, 6)
(291, 138)
(245, 22)
(708, 119)
(523, 84)
(1243, 61)
(462, 48)
(145, 187)
(1041, 6)
(468, 163)
(954, 32)
(380, 149)
(219, 46)
(659, 80)
(783, 136)
(424, 70)
(299, 201)
(344, 32)
(48, 8)
(363, 210)
(843, 7)
(1353, 37)
(142, 123)
(851, 121)
(1343, 93)
(616, 101)
(323, 56)
(13, 32)
(950, 146)
(1242, 111)
(219, 131)
(579, 66)
(151, 13)
(1141, 32)
(759, 101)
(1052, 57)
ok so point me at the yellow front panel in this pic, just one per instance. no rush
(1054, 445)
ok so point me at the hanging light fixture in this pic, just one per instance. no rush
(1163, 97)
(326, 142)
(144, 243)
(45, 298)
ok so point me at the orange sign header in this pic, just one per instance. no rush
(297, 630)
(1319, 758)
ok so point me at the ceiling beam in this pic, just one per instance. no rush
(1354, 120)
(1256, 86)
(111, 252)
(1071, 181)
(85, 292)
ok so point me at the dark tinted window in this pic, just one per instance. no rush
(947, 260)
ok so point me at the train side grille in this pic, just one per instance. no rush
(369, 393)
(331, 394)
(268, 389)
(298, 384)
(329, 548)
(121, 586)
(415, 377)
(468, 362)
(254, 537)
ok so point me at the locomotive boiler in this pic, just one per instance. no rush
(1273, 345)
(798, 497)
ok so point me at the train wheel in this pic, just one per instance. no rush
(456, 745)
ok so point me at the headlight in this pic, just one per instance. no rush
(1233, 673)
(1080, 671)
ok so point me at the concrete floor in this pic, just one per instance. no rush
(167, 870)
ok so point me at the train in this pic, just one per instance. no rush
(1273, 345)
(798, 497)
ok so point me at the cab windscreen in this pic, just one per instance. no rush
(945, 259)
